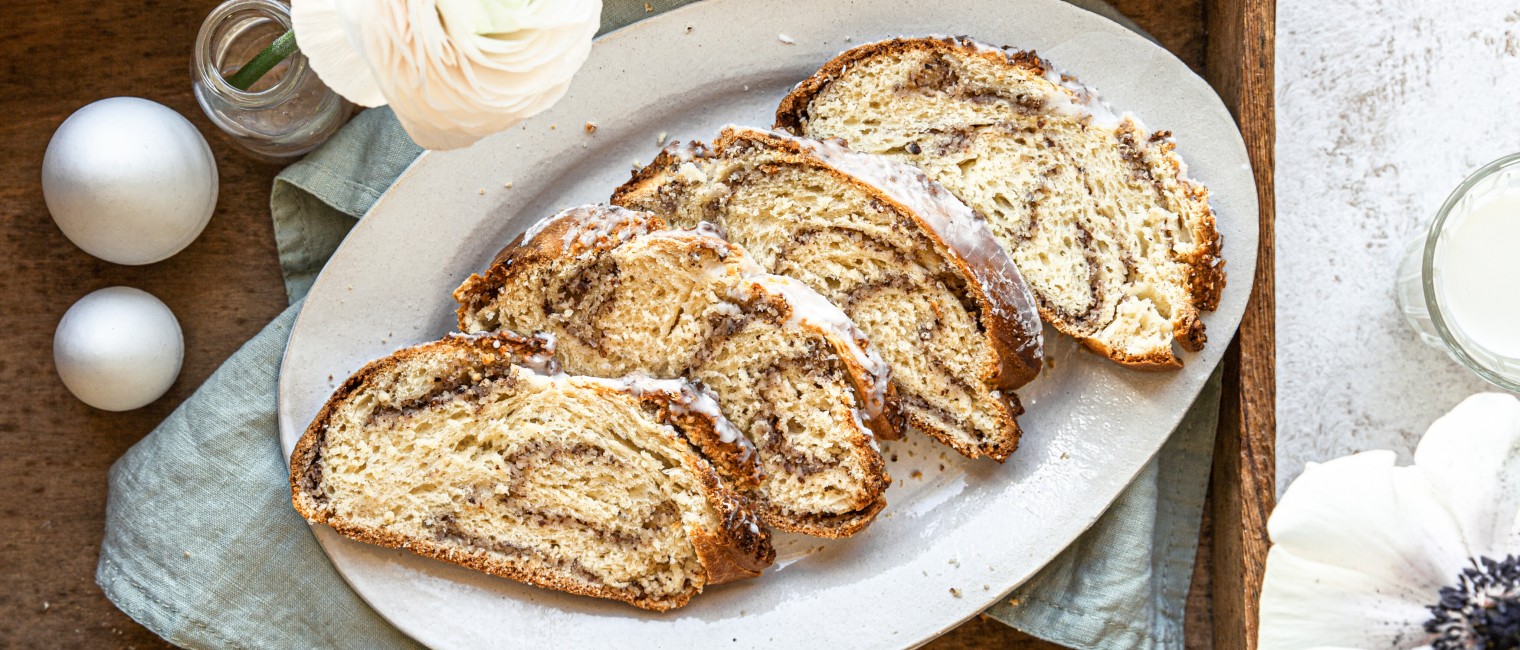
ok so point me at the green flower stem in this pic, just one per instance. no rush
(264, 61)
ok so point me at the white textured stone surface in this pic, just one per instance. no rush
(1383, 106)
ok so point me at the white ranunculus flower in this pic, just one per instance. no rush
(454, 71)
(1370, 555)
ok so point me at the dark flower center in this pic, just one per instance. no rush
(1481, 611)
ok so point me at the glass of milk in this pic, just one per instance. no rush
(1459, 284)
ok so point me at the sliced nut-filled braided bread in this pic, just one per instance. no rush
(619, 294)
(1118, 244)
(915, 268)
(456, 451)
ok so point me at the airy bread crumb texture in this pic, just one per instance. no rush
(1118, 245)
(564, 482)
(804, 219)
(620, 296)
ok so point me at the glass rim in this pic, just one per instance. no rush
(206, 67)
(1427, 275)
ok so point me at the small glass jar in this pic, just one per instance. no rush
(287, 112)
(1433, 295)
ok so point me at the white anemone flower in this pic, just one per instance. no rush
(1367, 554)
(454, 71)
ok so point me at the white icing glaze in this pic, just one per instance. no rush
(1077, 100)
(687, 398)
(532, 232)
(543, 361)
(732, 260)
(861, 424)
(690, 172)
(608, 226)
(964, 232)
(1081, 101)
(591, 225)
(682, 396)
(1065, 95)
(808, 307)
(709, 229)
(473, 336)
(811, 308)
(728, 309)
(687, 151)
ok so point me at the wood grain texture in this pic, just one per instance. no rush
(55, 452)
(1239, 58)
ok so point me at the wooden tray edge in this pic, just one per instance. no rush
(1239, 64)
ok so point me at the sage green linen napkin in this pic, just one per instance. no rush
(202, 546)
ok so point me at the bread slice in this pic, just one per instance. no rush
(1118, 244)
(456, 451)
(911, 265)
(619, 294)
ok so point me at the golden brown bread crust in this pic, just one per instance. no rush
(1017, 347)
(792, 113)
(1206, 276)
(491, 351)
(735, 552)
(833, 526)
(478, 290)
(555, 239)
(862, 513)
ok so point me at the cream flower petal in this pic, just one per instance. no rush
(1307, 604)
(324, 37)
(1364, 513)
(455, 71)
(1471, 457)
(1378, 535)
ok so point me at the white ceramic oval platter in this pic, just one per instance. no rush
(957, 534)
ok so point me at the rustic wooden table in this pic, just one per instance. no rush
(54, 451)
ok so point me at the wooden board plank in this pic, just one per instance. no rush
(54, 451)
(1239, 58)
